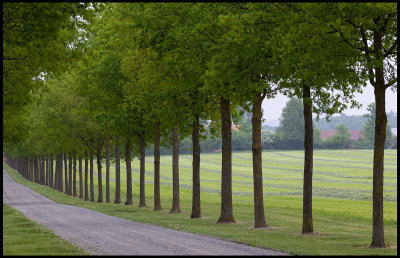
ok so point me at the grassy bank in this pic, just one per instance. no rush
(342, 208)
(22, 236)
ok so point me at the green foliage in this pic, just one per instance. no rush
(39, 39)
(369, 128)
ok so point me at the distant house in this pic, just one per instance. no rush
(354, 134)
(234, 127)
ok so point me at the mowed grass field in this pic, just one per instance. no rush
(342, 194)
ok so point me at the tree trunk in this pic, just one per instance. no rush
(196, 212)
(36, 168)
(30, 170)
(128, 173)
(46, 158)
(157, 199)
(379, 151)
(60, 173)
(107, 170)
(39, 168)
(70, 174)
(142, 146)
(42, 177)
(74, 176)
(66, 173)
(226, 181)
(308, 163)
(259, 217)
(51, 171)
(91, 176)
(175, 170)
(80, 177)
(99, 175)
(86, 186)
(55, 184)
(117, 172)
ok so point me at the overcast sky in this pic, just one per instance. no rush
(273, 107)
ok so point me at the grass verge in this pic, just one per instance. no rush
(22, 236)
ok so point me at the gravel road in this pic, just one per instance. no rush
(101, 234)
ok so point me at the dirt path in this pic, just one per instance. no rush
(101, 234)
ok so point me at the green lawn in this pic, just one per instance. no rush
(22, 236)
(342, 206)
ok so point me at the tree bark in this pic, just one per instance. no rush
(66, 173)
(46, 158)
(196, 211)
(226, 181)
(51, 171)
(30, 169)
(175, 170)
(99, 175)
(91, 176)
(80, 177)
(308, 163)
(117, 172)
(107, 169)
(259, 217)
(379, 148)
(142, 202)
(128, 172)
(41, 165)
(60, 173)
(70, 174)
(157, 199)
(74, 175)
(36, 169)
(86, 186)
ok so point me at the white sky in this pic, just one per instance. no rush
(273, 107)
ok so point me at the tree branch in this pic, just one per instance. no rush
(390, 51)
(390, 83)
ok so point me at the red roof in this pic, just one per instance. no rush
(236, 127)
(354, 134)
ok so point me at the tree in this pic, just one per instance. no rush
(290, 132)
(370, 29)
(39, 39)
(305, 46)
